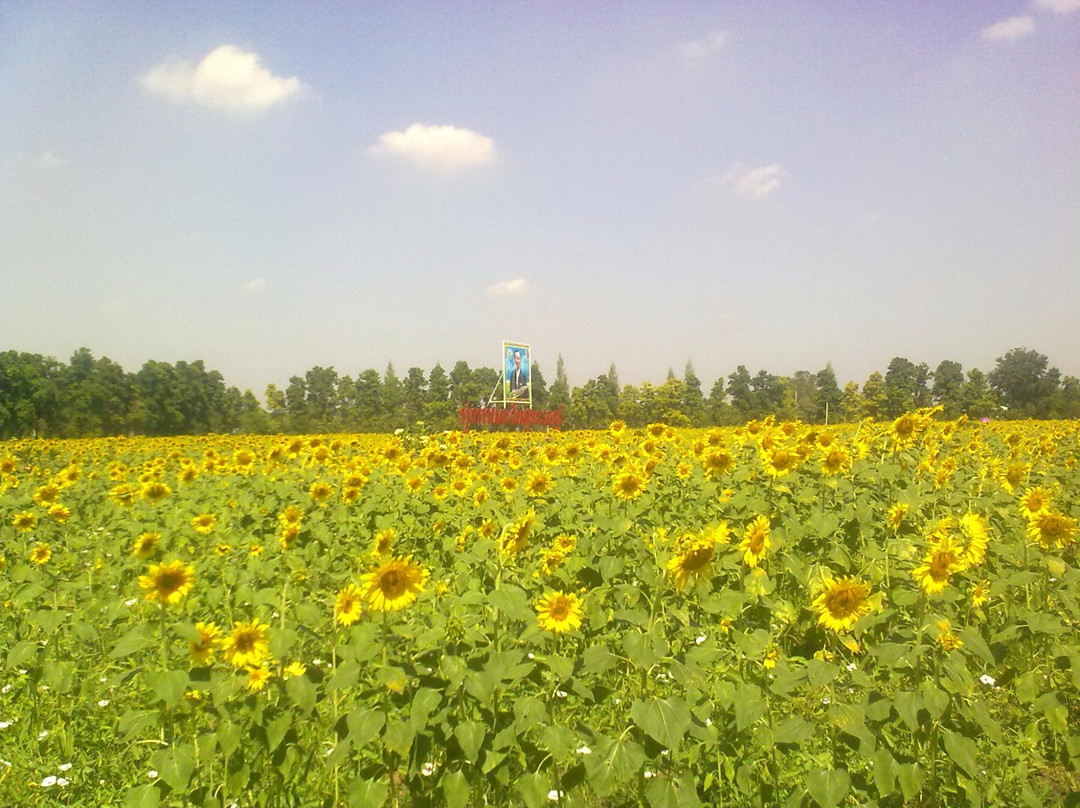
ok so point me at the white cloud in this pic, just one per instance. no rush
(227, 78)
(1060, 6)
(443, 148)
(1012, 28)
(698, 50)
(50, 162)
(512, 288)
(756, 182)
(255, 285)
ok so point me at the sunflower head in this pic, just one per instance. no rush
(394, 584)
(168, 582)
(348, 605)
(247, 645)
(841, 603)
(559, 611)
(40, 553)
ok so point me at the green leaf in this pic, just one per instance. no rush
(907, 704)
(455, 789)
(133, 722)
(169, 686)
(614, 761)
(828, 787)
(511, 601)
(134, 640)
(144, 796)
(21, 653)
(302, 692)
(367, 793)
(963, 751)
(175, 765)
(398, 737)
(884, 772)
(277, 730)
(470, 736)
(346, 675)
(666, 720)
(934, 699)
(911, 777)
(642, 649)
(598, 659)
(559, 740)
(793, 730)
(364, 724)
(534, 788)
(748, 706)
(424, 704)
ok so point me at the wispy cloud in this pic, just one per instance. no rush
(513, 288)
(756, 182)
(50, 162)
(256, 285)
(700, 50)
(1012, 28)
(442, 148)
(1060, 6)
(227, 78)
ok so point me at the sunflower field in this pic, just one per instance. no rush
(774, 614)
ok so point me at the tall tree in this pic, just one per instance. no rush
(948, 389)
(1024, 383)
(906, 386)
(875, 397)
(560, 390)
(693, 400)
(740, 393)
(413, 387)
(369, 400)
(438, 408)
(392, 399)
(802, 387)
(539, 386)
(827, 396)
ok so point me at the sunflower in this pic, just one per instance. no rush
(1035, 501)
(61, 513)
(201, 649)
(146, 544)
(294, 670)
(896, 516)
(975, 534)
(41, 553)
(693, 560)
(320, 492)
(1014, 475)
(835, 460)
(394, 584)
(515, 536)
(204, 523)
(941, 561)
(779, 462)
(755, 541)
(292, 515)
(980, 594)
(247, 645)
(168, 582)
(348, 605)
(287, 536)
(717, 462)
(559, 611)
(47, 495)
(629, 485)
(538, 483)
(258, 676)
(123, 495)
(841, 603)
(1052, 529)
(383, 543)
(25, 521)
(155, 491)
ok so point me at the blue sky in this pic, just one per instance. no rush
(270, 187)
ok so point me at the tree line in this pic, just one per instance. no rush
(89, 397)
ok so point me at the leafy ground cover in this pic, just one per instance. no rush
(775, 614)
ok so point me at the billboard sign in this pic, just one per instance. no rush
(517, 374)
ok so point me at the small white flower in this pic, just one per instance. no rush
(852, 666)
(700, 639)
(5, 689)
(62, 781)
(531, 655)
(584, 750)
(5, 763)
(131, 602)
(5, 724)
(152, 774)
(49, 781)
(708, 722)
(988, 680)
(103, 680)
(65, 766)
(42, 735)
(648, 774)
(826, 700)
(554, 794)
(562, 694)
(427, 769)
(103, 703)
